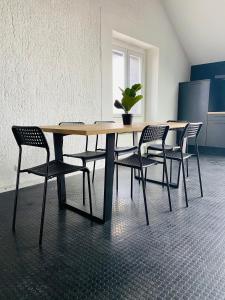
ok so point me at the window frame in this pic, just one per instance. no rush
(128, 50)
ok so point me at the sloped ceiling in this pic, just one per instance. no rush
(200, 26)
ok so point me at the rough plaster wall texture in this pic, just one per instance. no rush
(50, 65)
(49, 71)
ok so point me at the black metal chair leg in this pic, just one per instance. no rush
(144, 195)
(171, 168)
(43, 211)
(93, 174)
(139, 177)
(89, 191)
(167, 183)
(17, 191)
(199, 174)
(163, 176)
(131, 182)
(178, 174)
(187, 168)
(15, 202)
(146, 174)
(184, 180)
(117, 177)
(84, 165)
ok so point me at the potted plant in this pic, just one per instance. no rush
(129, 99)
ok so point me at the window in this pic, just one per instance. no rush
(127, 69)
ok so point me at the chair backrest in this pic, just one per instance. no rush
(103, 122)
(30, 136)
(193, 130)
(153, 133)
(75, 123)
(176, 121)
(71, 123)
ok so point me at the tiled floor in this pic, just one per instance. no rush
(180, 255)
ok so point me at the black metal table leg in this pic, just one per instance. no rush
(58, 146)
(109, 170)
(61, 188)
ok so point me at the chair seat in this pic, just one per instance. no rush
(56, 168)
(176, 155)
(158, 147)
(134, 162)
(88, 155)
(121, 150)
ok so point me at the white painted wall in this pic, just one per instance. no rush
(55, 62)
(200, 27)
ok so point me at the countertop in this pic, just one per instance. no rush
(216, 113)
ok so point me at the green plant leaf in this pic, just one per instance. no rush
(136, 87)
(118, 104)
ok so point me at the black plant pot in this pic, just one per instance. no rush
(127, 119)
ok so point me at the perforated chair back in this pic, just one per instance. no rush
(75, 123)
(71, 123)
(102, 122)
(193, 130)
(30, 136)
(154, 133)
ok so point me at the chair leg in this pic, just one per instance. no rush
(187, 168)
(43, 211)
(144, 195)
(167, 183)
(178, 174)
(163, 175)
(131, 182)
(146, 174)
(93, 174)
(89, 191)
(184, 180)
(117, 177)
(15, 201)
(84, 165)
(139, 177)
(171, 169)
(199, 175)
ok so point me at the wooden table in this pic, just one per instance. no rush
(109, 129)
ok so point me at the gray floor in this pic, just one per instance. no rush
(180, 255)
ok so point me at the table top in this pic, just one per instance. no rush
(106, 128)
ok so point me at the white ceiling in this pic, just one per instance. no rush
(200, 26)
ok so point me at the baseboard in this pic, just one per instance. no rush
(208, 150)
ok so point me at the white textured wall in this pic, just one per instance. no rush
(51, 66)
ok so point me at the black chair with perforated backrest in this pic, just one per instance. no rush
(85, 156)
(33, 136)
(118, 151)
(158, 147)
(191, 131)
(140, 162)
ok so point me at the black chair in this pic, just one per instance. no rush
(33, 136)
(158, 147)
(85, 156)
(140, 162)
(118, 151)
(191, 131)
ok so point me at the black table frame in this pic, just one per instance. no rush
(108, 180)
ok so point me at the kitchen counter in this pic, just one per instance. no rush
(216, 113)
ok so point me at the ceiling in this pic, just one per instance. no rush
(200, 26)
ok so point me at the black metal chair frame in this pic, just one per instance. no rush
(118, 151)
(191, 131)
(33, 136)
(158, 147)
(84, 156)
(149, 134)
